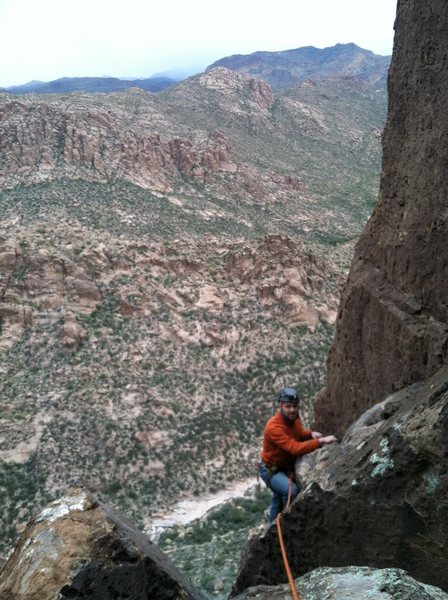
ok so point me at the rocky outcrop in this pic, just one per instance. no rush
(77, 547)
(281, 280)
(40, 286)
(257, 92)
(71, 332)
(362, 583)
(102, 139)
(392, 327)
(43, 139)
(221, 130)
(379, 498)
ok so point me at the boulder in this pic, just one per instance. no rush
(379, 498)
(362, 583)
(77, 547)
(71, 332)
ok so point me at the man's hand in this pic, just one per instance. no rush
(316, 435)
(328, 439)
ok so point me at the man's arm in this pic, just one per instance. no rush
(280, 437)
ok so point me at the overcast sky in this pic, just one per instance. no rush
(47, 39)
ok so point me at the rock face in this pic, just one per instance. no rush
(380, 498)
(51, 284)
(69, 138)
(78, 548)
(392, 326)
(100, 139)
(361, 583)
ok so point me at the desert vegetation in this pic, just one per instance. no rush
(168, 265)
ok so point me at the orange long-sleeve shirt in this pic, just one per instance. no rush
(284, 442)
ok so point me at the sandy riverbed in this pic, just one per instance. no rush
(192, 508)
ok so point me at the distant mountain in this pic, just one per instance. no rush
(26, 87)
(92, 84)
(220, 127)
(178, 74)
(282, 70)
(287, 68)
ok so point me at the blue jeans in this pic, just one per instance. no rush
(278, 483)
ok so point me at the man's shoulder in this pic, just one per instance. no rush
(269, 423)
(275, 421)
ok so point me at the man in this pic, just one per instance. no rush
(284, 440)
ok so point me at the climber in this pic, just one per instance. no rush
(285, 439)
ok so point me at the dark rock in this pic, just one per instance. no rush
(379, 498)
(79, 548)
(362, 583)
(392, 326)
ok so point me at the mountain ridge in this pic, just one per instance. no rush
(356, 62)
(220, 129)
(66, 85)
(287, 68)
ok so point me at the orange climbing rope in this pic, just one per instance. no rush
(282, 545)
(291, 481)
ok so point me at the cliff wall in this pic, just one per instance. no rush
(392, 326)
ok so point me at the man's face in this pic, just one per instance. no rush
(289, 410)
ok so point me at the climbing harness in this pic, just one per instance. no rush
(282, 545)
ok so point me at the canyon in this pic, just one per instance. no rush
(168, 261)
(131, 346)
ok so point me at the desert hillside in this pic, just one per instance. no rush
(168, 261)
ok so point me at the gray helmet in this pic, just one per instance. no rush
(288, 394)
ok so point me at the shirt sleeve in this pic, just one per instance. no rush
(289, 444)
(305, 433)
